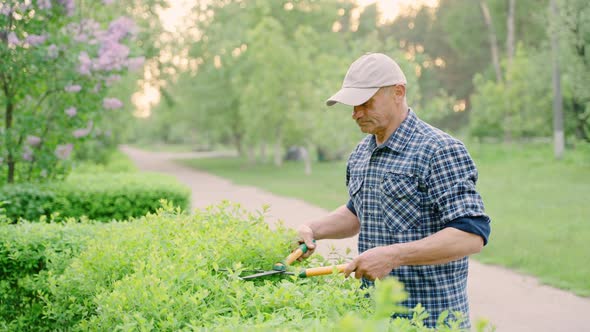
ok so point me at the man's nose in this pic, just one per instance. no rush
(357, 112)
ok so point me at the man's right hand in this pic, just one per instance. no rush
(306, 236)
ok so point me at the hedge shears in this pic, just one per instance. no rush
(281, 267)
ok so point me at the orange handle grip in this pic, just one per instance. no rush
(293, 256)
(282, 266)
(320, 271)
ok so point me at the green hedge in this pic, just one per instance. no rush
(118, 162)
(174, 272)
(29, 254)
(102, 196)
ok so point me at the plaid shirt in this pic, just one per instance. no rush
(408, 188)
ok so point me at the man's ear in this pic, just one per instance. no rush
(399, 93)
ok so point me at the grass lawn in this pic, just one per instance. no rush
(539, 207)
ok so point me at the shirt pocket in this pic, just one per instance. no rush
(401, 201)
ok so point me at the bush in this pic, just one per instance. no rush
(524, 98)
(170, 271)
(117, 162)
(103, 197)
(29, 254)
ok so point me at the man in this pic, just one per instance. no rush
(412, 192)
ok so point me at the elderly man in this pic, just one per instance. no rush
(413, 199)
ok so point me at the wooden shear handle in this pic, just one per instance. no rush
(282, 266)
(320, 271)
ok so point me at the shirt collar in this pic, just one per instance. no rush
(401, 136)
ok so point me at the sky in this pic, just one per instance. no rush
(389, 9)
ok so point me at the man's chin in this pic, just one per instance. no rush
(365, 129)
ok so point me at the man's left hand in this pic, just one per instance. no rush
(374, 263)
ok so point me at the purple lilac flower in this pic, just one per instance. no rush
(24, 6)
(69, 5)
(85, 63)
(35, 40)
(71, 111)
(135, 63)
(73, 88)
(112, 103)
(81, 38)
(85, 31)
(27, 153)
(121, 27)
(13, 39)
(33, 140)
(52, 51)
(107, 2)
(112, 79)
(5, 9)
(111, 56)
(82, 132)
(63, 151)
(78, 133)
(44, 4)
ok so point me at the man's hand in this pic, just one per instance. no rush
(306, 236)
(374, 263)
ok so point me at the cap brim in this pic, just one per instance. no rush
(352, 96)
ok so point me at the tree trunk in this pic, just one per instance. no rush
(493, 39)
(278, 153)
(251, 155)
(263, 152)
(510, 31)
(8, 139)
(238, 144)
(510, 56)
(558, 135)
(306, 160)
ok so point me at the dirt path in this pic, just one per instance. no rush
(511, 301)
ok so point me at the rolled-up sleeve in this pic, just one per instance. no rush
(451, 182)
(474, 225)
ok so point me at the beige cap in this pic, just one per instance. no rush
(365, 76)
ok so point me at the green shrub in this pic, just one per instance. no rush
(103, 196)
(118, 162)
(524, 98)
(29, 253)
(174, 272)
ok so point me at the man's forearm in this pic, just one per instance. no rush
(442, 247)
(338, 224)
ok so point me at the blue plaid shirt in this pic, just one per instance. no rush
(408, 188)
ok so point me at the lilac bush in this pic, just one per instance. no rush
(58, 59)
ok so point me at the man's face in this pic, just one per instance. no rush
(377, 114)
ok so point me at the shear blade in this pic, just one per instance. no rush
(262, 274)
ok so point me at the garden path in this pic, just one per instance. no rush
(510, 300)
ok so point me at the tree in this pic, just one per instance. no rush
(558, 134)
(54, 77)
(575, 34)
(492, 36)
(529, 94)
(272, 59)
